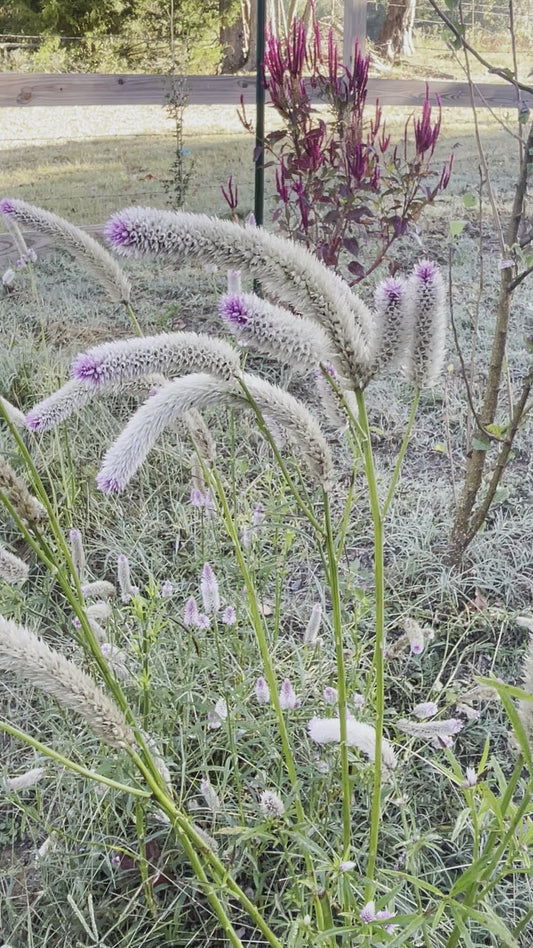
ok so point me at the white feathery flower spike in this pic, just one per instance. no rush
(28, 779)
(27, 655)
(201, 390)
(426, 730)
(75, 241)
(112, 363)
(59, 405)
(424, 302)
(360, 735)
(395, 326)
(12, 569)
(274, 331)
(15, 415)
(287, 270)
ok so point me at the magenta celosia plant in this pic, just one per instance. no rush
(343, 188)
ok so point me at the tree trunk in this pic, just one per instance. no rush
(239, 39)
(397, 31)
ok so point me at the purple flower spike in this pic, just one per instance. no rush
(118, 233)
(425, 271)
(86, 369)
(33, 421)
(7, 207)
(393, 289)
(232, 309)
(108, 485)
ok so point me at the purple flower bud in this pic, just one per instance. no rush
(261, 691)
(197, 499)
(190, 613)
(368, 913)
(119, 233)
(331, 696)
(209, 590)
(167, 589)
(232, 309)
(7, 207)
(287, 696)
(203, 621)
(86, 368)
(229, 616)
(425, 271)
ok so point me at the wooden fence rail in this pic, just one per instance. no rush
(33, 89)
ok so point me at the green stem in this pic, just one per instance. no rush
(133, 319)
(378, 659)
(401, 455)
(305, 508)
(70, 764)
(333, 578)
(193, 844)
(270, 676)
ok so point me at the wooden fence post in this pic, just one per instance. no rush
(354, 28)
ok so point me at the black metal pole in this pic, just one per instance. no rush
(259, 187)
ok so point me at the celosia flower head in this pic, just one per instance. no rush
(287, 696)
(262, 692)
(75, 241)
(209, 590)
(289, 271)
(24, 653)
(424, 304)
(360, 735)
(271, 804)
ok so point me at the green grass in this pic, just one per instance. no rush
(87, 889)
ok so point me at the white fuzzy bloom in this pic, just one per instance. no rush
(287, 696)
(291, 273)
(313, 626)
(26, 780)
(98, 261)
(358, 734)
(100, 588)
(262, 691)
(298, 424)
(427, 730)
(415, 634)
(15, 415)
(127, 590)
(113, 363)
(395, 326)
(60, 405)
(99, 611)
(77, 552)
(200, 390)
(218, 714)
(209, 590)
(24, 653)
(347, 865)
(117, 660)
(424, 301)
(210, 795)
(471, 777)
(427, 709)
(234, 281)
(271, 804)
(8, 277)
(274, 331)
(12, 569)
(331, 696)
